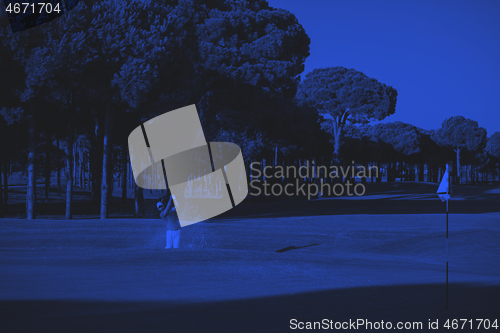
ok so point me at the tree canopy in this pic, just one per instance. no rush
(342, 94)
(404, 138)
(123, 62)
(493, 145)
(462, 134)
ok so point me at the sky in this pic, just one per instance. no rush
(443, 57)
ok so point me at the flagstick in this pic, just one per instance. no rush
(448, 192)
(446, 254)
(444, 191)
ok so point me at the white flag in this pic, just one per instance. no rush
(443, 191)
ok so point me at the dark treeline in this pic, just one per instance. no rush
(409, 153)
(74, 88)
(395, 152)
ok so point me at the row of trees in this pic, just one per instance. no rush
(403, 151)
(81, 83)
(106, 66)
(403, 148)
(347, 100)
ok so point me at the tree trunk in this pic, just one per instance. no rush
(336, 137)
(58, 158)
(75, 164)
(124, 171)
(336, 153)
(82, 167)
(47, 168)
(111, 178)
(106, 158)
(139, 202)
(363, 179)
(69, 174)
(6, 167)
(3, 165)
(89, 168)
(394, 171)
(458, 165)
(2, 209)
(80, 164)
(435, 174)
(379, 175)
(31, 187)
(388, 171)
(371, 174)
(96, 162)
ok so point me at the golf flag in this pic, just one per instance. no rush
(443, 191)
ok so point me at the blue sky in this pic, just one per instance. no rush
(443, 57)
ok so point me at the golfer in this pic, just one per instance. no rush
(169, 214)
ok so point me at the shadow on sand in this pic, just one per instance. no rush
(289, 248)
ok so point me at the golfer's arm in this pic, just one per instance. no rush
(170, 206)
